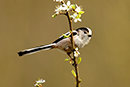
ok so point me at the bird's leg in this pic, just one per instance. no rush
(71, 59)
(70, 56)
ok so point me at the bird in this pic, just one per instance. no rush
(81, 37)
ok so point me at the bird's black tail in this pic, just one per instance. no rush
(36, 49)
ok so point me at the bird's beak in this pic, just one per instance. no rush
(89, 35)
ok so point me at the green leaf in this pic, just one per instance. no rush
(54, 15)
(80, 80)
(70, 31)
(73, 6)
(67, 59)
(71, 16)
(79, 60)
(66, 36)
(70, 62)
(81, 12)
(78, 16)
(73, 72)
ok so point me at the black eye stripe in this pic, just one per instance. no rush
(83, 28)
(87, 30)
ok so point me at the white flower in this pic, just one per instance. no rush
(57, 0)
(76, 17)
(39, 82)
(36, 85)
(76, 52)
(59, 9)
(68, 6)
(78, 9)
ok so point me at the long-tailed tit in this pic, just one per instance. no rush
(81, 38)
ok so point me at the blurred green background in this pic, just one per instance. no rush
(28, 23)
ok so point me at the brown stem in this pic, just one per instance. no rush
(73, 47)
(71, 29)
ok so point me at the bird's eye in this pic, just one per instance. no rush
(85, 32)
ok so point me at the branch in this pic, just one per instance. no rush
(71, 29)
(73, 48)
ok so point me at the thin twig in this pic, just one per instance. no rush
(73, 47)
(71, 29)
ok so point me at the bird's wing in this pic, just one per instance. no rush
(63, 36)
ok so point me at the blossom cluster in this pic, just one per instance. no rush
(76, 52)
(75, 10)
(39, 83)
